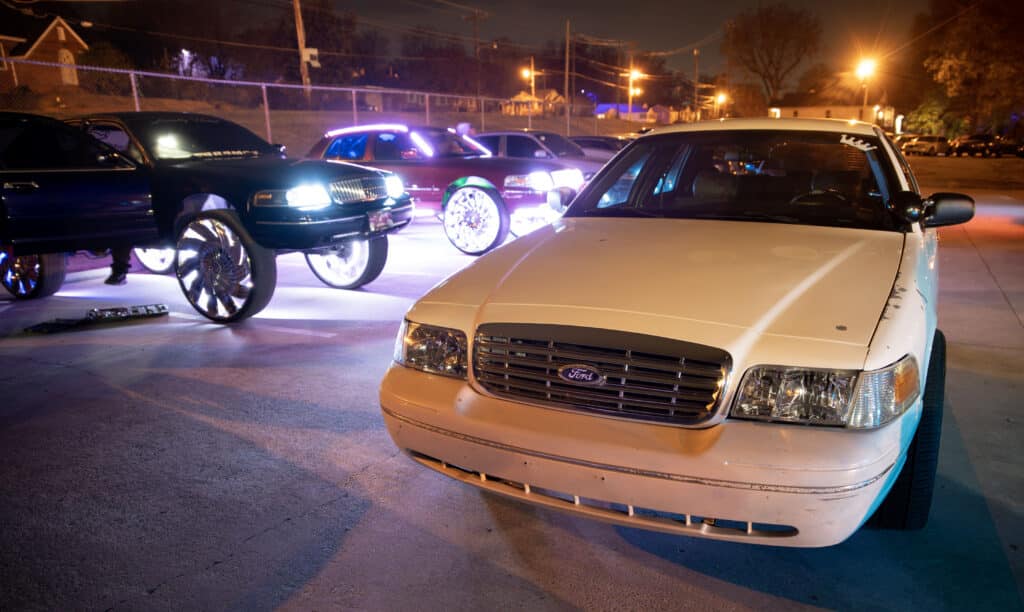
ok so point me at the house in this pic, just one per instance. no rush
(28, 37)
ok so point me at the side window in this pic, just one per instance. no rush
(492, 143)
(116, 138)
(394, 147)
(618, 192)
(348, 147)
(522, 146)
(40, 145)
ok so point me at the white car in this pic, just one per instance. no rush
(730, 334)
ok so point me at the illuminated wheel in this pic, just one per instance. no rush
(223, 273)
(28, 277)
(475, 220)
(157, 261)
(350, 264)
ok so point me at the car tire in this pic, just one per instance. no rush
(157, 261)
(475, 220)
(30, 277)
(909, 500)
(351, 264)
(225, 275)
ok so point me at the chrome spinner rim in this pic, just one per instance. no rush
(158, 261)
(342, 265)
(20, 275)
(214, 268)
(472, 219)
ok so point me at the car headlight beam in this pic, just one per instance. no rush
(437, 350)
(394, 186)
(311, 196)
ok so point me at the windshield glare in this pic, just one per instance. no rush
(201, 138)
(815, 178)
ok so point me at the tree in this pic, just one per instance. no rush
(977, 59)
(771, 42)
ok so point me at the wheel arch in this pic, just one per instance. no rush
(196, 203)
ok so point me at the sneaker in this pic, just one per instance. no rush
(117, 278)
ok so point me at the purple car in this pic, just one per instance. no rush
(480, 198)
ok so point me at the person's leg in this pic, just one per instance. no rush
(120, 264)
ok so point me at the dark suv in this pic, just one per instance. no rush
(985, 145)
(226, 200)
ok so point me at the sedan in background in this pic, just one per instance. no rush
(600, 147)
(479, 198)
(927, 145)
(730, 334)
(537, 144)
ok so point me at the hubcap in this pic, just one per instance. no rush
(472, 220)
(20, 274)
(342, 265)
(214, 268)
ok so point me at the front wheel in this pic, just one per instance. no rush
(350, 264)
(909, 500)
(223, 273)
(28, 277)
(475, 220)
(157, 261)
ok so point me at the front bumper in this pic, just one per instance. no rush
(288, 229)
(740, 481)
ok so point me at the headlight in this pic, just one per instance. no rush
(438, 350)
(312, 196)
(537, 181)
(828, 397)
(393, 185)
(570, 177)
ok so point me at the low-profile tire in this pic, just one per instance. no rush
(223, 273)
(157, 261)
(475, 220)
(910, 499)
(350, 265)
(29, 277)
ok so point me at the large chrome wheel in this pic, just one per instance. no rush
(350, 264)
(157, 261)
(223, 273)
(475, 220)
(27, 277)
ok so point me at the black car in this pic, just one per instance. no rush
(985, 145)
(226, 200)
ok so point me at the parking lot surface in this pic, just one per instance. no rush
(177, 464)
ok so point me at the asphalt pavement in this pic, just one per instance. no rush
(173, 464)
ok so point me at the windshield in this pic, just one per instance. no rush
(200, 138)
(560, 145)
(814, 178)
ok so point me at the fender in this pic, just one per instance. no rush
(197, 203)
(468, 181)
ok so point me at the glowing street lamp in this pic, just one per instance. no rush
(864, 71)
(531, 74)
(720, 101)
(634, 75)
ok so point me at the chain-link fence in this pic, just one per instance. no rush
(284, 113)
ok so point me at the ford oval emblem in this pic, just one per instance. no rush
(581, 374)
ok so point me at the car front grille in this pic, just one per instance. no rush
(643, 377)
(364, 189)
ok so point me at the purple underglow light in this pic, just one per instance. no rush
(355, 129)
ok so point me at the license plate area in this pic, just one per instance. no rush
(380, 220)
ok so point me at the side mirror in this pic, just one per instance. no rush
(943, 209)
(541, 154)
(908, 205)
(279, 147)
(560, 198)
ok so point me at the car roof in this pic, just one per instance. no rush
(796, 125)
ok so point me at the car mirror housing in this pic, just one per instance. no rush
(942, 209)
(541, 154)
(908, 205)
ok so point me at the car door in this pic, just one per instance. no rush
(63, 190)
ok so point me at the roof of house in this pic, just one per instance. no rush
(28, 27)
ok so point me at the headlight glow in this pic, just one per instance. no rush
(845, 398)
(393, 185)
(437, 350)
(312, 196)
(570, 177)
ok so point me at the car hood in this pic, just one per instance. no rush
(269, 171)
(706, 281)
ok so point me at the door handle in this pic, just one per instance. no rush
(22, 186)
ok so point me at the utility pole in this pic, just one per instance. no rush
(696, 84)
(300, 34)
(533, 94)
(568, 103)
(476, 16)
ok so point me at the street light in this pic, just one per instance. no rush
(865, 70)
(634, 75)
(531, 74)
(720, 101)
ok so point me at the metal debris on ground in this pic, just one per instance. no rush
(98, 316)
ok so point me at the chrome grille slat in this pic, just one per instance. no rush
(363, 189)
(645, 377)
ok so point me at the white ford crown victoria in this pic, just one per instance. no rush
(730, 334)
